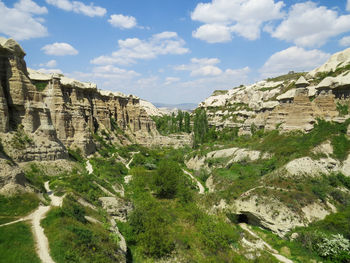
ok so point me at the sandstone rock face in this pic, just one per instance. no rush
(57, 112)
(339, 59)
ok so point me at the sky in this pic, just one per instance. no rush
(175, 51)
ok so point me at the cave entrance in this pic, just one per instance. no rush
(242, 218)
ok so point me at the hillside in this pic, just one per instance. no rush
(259, 173)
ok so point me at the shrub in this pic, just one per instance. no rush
(40, 86)
(150, 224)
(167, 178)
(334, 246)
(342, 109)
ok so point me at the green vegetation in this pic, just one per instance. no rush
(17, 244)
(329, 238)
(200, 127)
(288, 77)
(343, 109)
(20, 139)
(73, 239)
(339, 70)
(36, 177)
(174, 123)
(219, 92)
(40, 86)
(18, 205)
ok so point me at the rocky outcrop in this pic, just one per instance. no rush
(55, 112)
(290, 102)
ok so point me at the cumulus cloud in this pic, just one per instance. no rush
(171, 80)
(348, 6)
(293, 58)
(123, 22)
(310, 25)
(213, 33)
(78, 7)
(222, 18)
(19, 22)
(345, 41)
(30, 7)
(59, 49)
(202, 67)
(133, 49)
(50, 70)
(50, 64)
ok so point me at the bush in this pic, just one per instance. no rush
(150, 224)
(334, 246)
(167, 178)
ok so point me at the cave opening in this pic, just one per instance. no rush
(242, 218)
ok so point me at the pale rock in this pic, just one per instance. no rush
(324, 148)
(150, 108)
(116, 207)
(287, 95)
(305, 166)
(337, 60)
(345, 169)
(343, 80)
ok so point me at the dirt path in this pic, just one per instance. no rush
(132, 158)
(199, 184)
(261, 244)
(42, 244)
(88, 167)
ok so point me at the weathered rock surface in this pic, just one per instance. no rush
(57, 112)
(295, 103)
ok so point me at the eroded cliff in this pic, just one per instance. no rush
(41, 115)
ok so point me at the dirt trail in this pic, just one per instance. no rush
(114, 228)
(199, 184)
(261, 244)
(42, 244)
(132, 158)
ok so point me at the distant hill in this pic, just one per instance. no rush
(182, 106)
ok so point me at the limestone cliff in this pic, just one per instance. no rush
(288, 102)
(41, 115)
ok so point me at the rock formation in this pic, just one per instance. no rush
(42, 115)
(290, 102)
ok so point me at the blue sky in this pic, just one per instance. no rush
(175, 51)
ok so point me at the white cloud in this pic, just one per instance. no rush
(201, 67)
(293, 58)
(123, 22)
(206, 71)
(78, 7)
(171, 80)
(345, 41)
(222, 18)
(310, 25)
(18, 22)
(30, 7)
(213, 33)
(133, 49)
(59, 49)
(110, 71)
(50, 71)
(50, 64)
(348, 6)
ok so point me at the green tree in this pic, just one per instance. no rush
(180, 118)
(167, 178)
(200, 127)
(187, 118)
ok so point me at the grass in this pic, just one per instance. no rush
(298, 253)
(18, 205)
(73, 239)
(17, 244)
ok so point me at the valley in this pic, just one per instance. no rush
(257, 173)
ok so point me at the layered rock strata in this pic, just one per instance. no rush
(54, 112)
